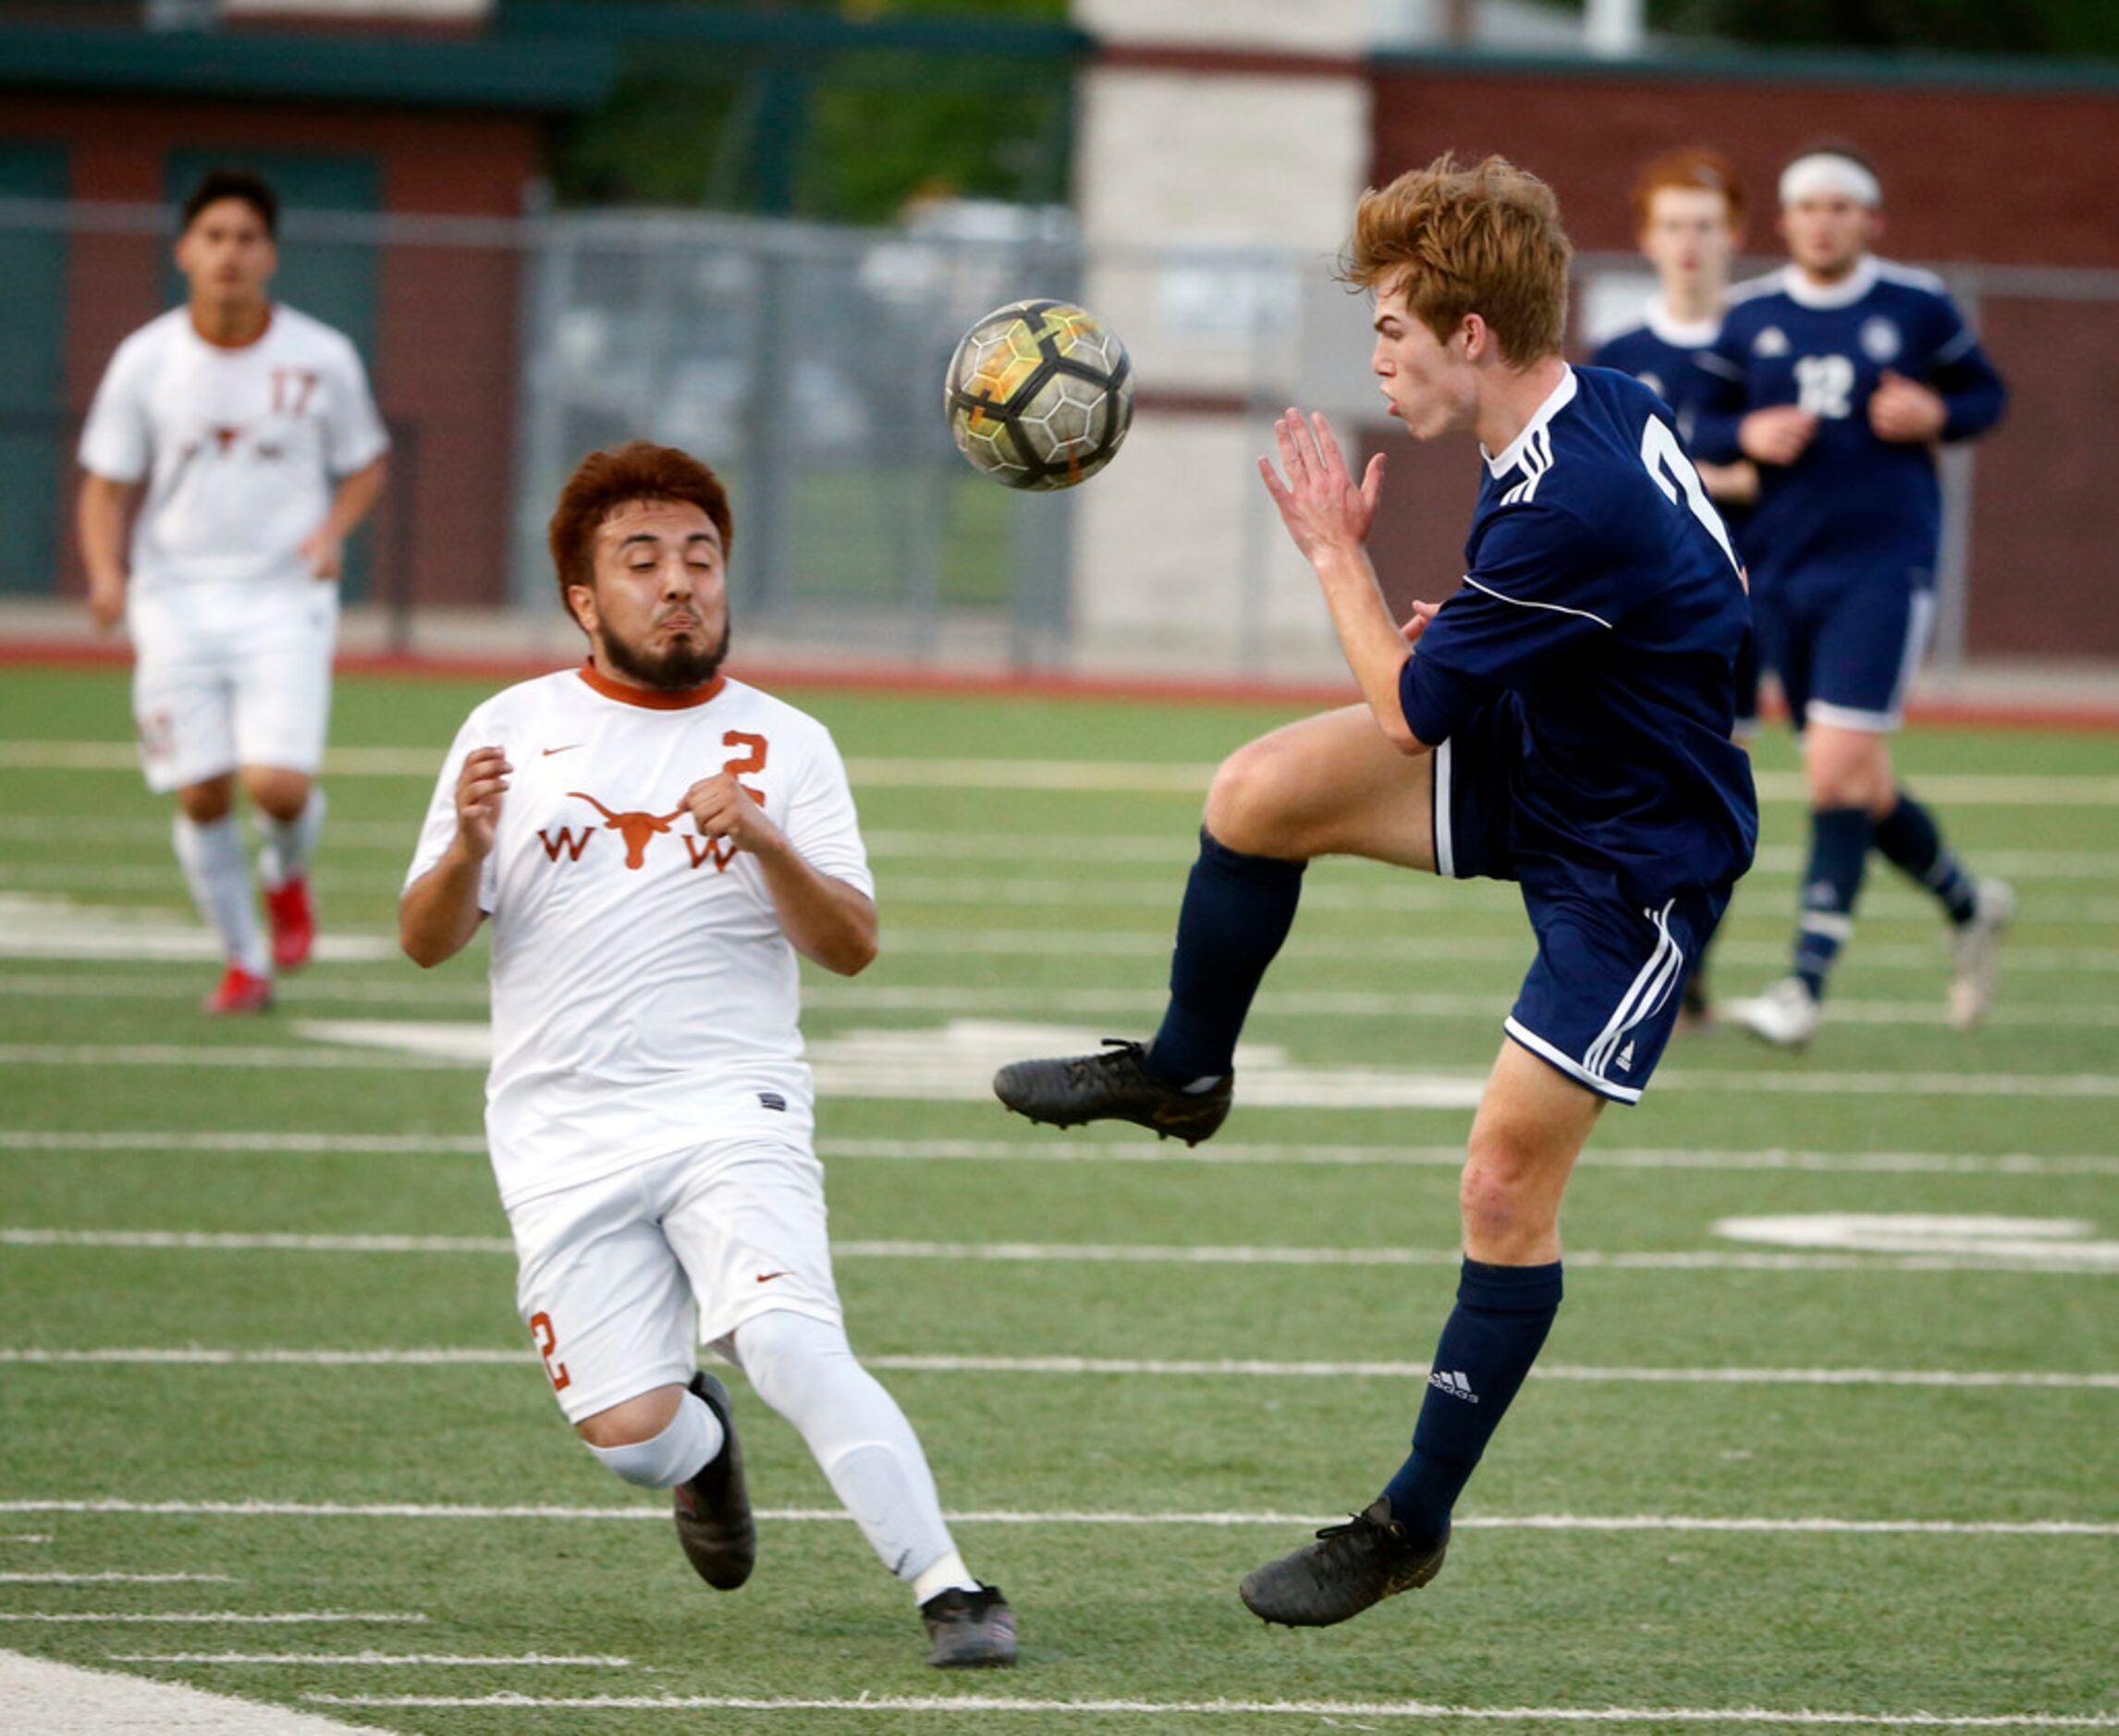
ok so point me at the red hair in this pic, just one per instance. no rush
(616, 477)
(1696, 168)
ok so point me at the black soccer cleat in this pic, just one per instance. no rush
(1347, 1568)
(714, 1509)
(969, 1630)
(1065, 1090)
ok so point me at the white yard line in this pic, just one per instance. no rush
(370, 1660)
(1030, 1001)
(217, 1618)
(1807, 1525)
(1153, 943)
(886, 1067)
(1326, 1709)
(2058, 1257)
(1054, 1149)
(1166, 850)
(308, 1144)
(50, 1699)
(1096, 776)
(195, 1356)
(1409, 895)
(118, 1579)
(192, 1055)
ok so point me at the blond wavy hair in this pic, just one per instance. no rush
(1485, 240)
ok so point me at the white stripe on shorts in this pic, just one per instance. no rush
(1920, 622)
(1574, 1068)
(1640, 1001)
(1445, 844)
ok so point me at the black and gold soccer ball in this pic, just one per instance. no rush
(1039, 395)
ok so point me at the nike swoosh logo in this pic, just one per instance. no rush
(567, 749)
(767, 1277)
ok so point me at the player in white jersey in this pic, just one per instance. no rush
(253, 429)
(654, 845)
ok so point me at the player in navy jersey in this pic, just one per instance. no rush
(1838, 376)
(1564, 721)
(1689, 216)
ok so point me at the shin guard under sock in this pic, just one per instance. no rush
(1492, 1336)
(1839, 858)
(1237, 911)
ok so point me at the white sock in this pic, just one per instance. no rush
(285, 846)
(948, 1574)
(212, 858)
(806, 1371)
(676, 1455)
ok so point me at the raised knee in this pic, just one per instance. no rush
(1245, 806)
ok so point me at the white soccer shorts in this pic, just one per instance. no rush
(620, 1279)
(225, 676)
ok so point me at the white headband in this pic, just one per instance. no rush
(1826, 172)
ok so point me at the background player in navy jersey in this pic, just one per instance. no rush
(1838, 376)
(1688, 216)
(1563, 721)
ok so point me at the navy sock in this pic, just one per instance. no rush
(1237, 911)
(1839, 858)
(1492, 1336)
(1910, 840)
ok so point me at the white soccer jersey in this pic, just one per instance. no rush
(238, 444)
(645, 997)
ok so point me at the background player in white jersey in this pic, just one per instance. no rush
(253, 428)
(1688, 216)
(655, 844)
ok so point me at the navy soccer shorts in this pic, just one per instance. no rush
(1603, 994)
(1846, 651)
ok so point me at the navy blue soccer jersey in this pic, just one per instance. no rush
(1663, 355)
(1853, 506)
(1604, 608)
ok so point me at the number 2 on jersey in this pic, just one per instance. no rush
(1674, 473)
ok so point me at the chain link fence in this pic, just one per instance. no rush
(805, 363)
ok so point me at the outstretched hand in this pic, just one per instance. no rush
(1321, 503)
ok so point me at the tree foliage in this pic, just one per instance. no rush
(2070, 28)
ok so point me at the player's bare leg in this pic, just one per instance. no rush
(1328, 786)
(289, 810)
(682, 1438)
(1531, 1127)
(210, 850)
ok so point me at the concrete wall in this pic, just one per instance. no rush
(1241, 125)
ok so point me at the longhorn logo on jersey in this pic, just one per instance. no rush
(635, 828)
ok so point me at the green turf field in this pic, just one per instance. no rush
(1755, 1482)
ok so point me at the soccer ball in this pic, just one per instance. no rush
(1039, 395)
